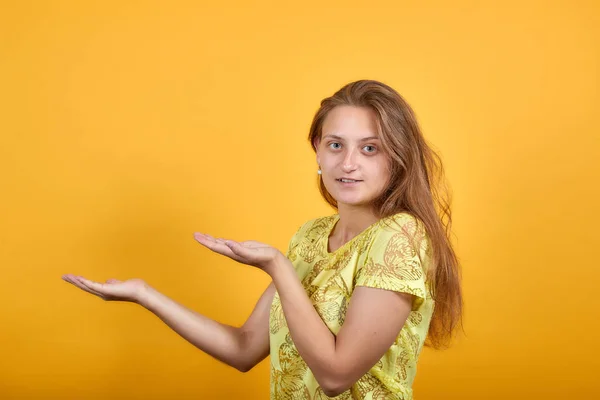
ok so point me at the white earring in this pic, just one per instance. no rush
(319, 171)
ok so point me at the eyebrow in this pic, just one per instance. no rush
(361, 140)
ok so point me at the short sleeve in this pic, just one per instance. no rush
(395, 260)
(296, 248)
(292, 244)
(292, 250)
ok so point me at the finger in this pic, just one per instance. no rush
(226, 250)
(68, 277)
(91, 284)
(101, 288)
(240, 250)
(217, 240)
(204, 239)
(218, 246)
(214, 245)
(205, 236)
(90, 291)
(81, 286)
(72, 279)
(113, 281)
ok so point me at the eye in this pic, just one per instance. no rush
(334, 143)
(370, 149)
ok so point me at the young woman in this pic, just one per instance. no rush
(356, 296)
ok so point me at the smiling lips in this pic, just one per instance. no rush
(348, 180)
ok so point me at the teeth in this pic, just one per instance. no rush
(347, 180)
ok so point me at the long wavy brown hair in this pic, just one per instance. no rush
(417, 186)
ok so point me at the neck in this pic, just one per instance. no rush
(353, 220)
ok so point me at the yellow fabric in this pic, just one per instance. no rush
(391, 254)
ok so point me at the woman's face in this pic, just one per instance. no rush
(350, 149)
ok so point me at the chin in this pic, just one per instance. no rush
(351, 201)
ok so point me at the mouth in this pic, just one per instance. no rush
(345, 180)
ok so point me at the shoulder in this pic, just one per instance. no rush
(401, 229)
(397, 258)
(403, 223)
(402, 219)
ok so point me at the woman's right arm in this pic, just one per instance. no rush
(241, 348)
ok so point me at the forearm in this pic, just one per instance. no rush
(313, 339)
(220, 341)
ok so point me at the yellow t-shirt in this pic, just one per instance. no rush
(382, 256)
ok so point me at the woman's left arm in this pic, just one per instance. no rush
(373, 321)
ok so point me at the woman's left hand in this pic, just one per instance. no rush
(249, 252)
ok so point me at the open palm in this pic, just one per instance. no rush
(249, 252)
(111, 290)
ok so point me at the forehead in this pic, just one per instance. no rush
(350, 122)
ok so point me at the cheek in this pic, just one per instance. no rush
(381, 168)
(329, 163)
(382, 176)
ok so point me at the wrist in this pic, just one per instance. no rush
(144, 295)
(279, 266)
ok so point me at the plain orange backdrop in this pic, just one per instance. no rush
(128, 125)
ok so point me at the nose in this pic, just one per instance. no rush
(349, 163)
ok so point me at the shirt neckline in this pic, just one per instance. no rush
(332, 224)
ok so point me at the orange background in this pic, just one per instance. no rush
(128, 125)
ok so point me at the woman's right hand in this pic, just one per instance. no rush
(113, 290)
